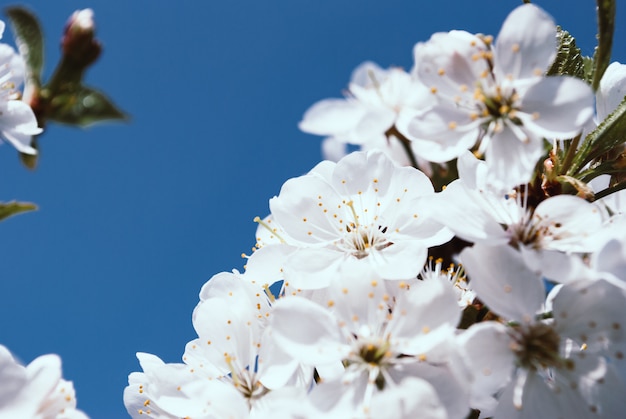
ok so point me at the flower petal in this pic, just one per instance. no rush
(557, 107)
(307, 332)
(611, 91)
(526, 44)
(505, 283)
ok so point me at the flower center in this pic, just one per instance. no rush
(535, 232)
(246, 382)
(374, 357)
(537, 346)
(360, 240)
(499, 104)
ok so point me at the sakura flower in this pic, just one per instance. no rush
(379, 342)
(547, 238)
(376, 99)
(35, 391)
(229, 370)
(550, 368)
(498, 96)
(362, 208)
(17, 120)
(169, 391)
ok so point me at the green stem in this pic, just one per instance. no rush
(609, 191)
(606, 24)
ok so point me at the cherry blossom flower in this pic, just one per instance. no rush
(35, 391)
(554, 367)
(547, 238)
(229, 370)
(376, 99)
(380, 342)
(18, 123)
(362, 208)
(498, 95)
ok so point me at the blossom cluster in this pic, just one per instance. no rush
(468, 261)
(371, 292)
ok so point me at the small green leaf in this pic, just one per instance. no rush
(568, 60)
(83, 106)
(8, 209)
(29, 39)
(606, 24)
(609, 134)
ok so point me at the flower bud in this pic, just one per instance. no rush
(78, 42)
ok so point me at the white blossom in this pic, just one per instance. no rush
(18, 123)
(362, 208)
(498, 96)
(35, 391)
(376, 99)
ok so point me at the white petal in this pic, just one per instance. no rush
(413, 398)
(612, 259)
(446, 61)
(402, 260)
(451, 385)
(368, 74)
(277, 369)
(296, 209)
(460, 211)
(511, 160)
(578, 315)
(307, 332)
(332, 117)
(266, 265)
(487, 350)
(427, 306)
(360, 172)
(18, 125)
(526, 44)
(311, 269)
(442, 133)
(557, 107)
(333, 149)
(569, 223)
(14, 68)
(612, 90)
(502, 280)
(12, 378)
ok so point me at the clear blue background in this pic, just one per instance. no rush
(135, 217)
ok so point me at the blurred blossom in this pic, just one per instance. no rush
(35, 391)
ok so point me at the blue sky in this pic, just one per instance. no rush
(135, 217)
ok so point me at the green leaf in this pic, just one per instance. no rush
(568, 60)
(29, 39)
(608, 135)
(611, 167)
(82, 106)
(606, 24)
(8, 209)
(588, 69)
